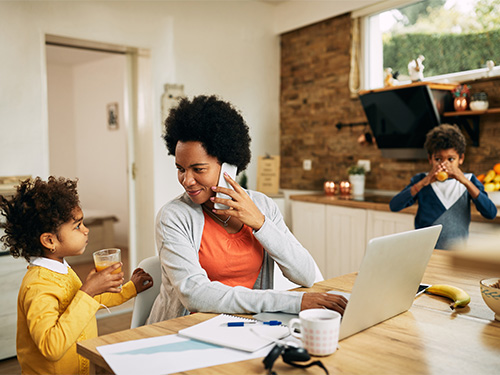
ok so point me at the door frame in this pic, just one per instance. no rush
(138, 119)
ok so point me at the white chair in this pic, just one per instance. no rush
(144, 301)
(282, 283)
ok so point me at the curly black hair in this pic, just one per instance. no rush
(216, 124)
(37, 207)
(444, 137)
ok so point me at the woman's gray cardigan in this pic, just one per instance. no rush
(185, 285)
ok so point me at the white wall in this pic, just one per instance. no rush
(291, 15)
(229, 48)
(226, 48)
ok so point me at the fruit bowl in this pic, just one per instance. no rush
(490, 290)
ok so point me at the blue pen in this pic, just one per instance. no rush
(242, 324)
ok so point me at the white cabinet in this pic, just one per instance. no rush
(345, 240)
(382, 223)
(11, 274)
(336, 236)
(308, 226)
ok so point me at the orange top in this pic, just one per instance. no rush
(234, 259)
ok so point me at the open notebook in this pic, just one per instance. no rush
(248, 338)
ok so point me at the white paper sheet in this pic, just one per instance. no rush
(169, 354)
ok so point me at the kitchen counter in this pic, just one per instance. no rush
(375, 202)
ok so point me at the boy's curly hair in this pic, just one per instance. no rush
(444, 137)
(37, 207)
(216, 124)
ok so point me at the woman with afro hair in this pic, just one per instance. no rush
(222, 260)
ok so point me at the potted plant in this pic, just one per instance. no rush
(357, 179)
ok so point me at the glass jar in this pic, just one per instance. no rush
(479, 101)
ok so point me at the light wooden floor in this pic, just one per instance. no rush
(112, 324)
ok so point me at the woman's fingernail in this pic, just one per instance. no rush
(225, 174)
(212, 199)
(214, 187)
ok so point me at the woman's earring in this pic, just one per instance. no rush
(53, 250)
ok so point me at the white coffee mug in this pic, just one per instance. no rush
(319, 330)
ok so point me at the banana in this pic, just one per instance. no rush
(459, 296)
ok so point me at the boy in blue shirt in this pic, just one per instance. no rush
(445, 202)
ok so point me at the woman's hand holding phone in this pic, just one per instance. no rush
(240, 206)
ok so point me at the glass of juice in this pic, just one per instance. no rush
(107, 257)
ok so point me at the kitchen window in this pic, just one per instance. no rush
(457, 38)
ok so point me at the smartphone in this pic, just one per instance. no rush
(231, 171)
(422, 288)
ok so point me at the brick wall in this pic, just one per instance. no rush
(315, 97)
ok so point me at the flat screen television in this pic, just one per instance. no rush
(401, 117)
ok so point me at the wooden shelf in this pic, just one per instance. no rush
(471, 113)
(432, 85)
(469, 120)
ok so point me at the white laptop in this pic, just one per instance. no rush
(387, 281)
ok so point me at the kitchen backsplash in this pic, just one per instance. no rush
(315, 96)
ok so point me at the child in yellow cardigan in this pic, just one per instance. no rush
(55, 310)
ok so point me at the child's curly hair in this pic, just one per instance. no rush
(444, 137)
(37, 207)
(215, 123)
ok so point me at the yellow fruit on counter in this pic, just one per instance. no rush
(497, 186)
(442, 176)
(497, 178)
(489, 187)
(489, 176)
(459, 296)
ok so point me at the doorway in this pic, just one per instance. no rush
(92, 99)
(88, 139)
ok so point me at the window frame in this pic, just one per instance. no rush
(372, 69)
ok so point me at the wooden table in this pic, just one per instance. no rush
(429, 338)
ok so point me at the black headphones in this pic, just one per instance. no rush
(290, 355)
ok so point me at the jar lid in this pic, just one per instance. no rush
(479, 96)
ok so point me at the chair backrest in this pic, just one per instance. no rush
(144, 301)
(282, 283)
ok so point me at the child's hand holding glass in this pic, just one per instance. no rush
(105, 281)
